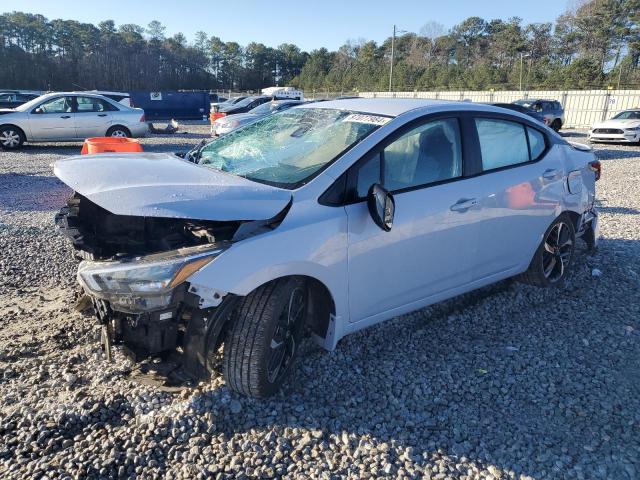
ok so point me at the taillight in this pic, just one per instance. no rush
(596, 167)
(142, 118)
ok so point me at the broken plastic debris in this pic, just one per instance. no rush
(596, 272)
(482, 371)
(512, 349)
(172, 127)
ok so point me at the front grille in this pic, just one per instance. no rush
(607, 130)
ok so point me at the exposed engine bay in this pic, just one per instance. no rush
(97, 234)
(146, 313)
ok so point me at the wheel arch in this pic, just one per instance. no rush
(24, 133)
(574, 217)
(118, 125)
(322, 305)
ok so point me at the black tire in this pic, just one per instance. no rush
(118, 131)
(11, 138)
(553, 257)
(556, 125)
(261, 331)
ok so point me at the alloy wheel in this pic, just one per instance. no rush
(10, 138)
(558, 248)
(284, 340)
(119, 134)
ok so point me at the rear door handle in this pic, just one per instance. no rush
(464, 204)
(65, 116)
(102, 114)
(550, 174)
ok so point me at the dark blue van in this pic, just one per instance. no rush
(169, 104)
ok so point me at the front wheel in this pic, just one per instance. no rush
(264, 337)
(553, 258)
(556, 125)
(11, 138)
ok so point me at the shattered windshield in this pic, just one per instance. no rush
(289, 147)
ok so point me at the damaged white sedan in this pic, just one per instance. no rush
(327, 218)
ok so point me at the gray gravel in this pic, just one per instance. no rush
(509, 382)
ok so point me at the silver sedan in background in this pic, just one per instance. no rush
(229, 123)
(62, 117)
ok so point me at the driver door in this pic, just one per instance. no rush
(430, 249)
(53, 120)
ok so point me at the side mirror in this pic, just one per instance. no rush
(38, 110)
(382, 207)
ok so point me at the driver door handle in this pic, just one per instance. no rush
(102, 114)
(65, 116)
(464, 204)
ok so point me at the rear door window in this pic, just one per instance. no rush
(502, 143)
(92, 104)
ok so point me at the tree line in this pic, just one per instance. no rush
(594, 45)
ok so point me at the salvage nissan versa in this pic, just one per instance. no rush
(325, 218)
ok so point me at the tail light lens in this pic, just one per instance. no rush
(596, 167)
(142, 119)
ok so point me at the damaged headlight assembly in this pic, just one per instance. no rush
(144, 283)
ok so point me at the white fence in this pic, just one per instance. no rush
(582, 108)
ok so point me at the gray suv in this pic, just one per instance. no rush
(551, 110)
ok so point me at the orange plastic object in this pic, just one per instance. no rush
(213, 116)
(110, 144)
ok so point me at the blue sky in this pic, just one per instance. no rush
(325, 24)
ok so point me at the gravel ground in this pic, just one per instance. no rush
(509, 382)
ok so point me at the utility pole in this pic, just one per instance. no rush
(619, 76)
(393, 41)
(521, 57)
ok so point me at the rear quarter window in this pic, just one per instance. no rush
(537, 143)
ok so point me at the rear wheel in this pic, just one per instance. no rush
(118, 131)
(556, 125)
(11, 137)
(553, 258)
(263, 341)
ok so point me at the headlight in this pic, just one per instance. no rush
(144, 283)
(632, 130)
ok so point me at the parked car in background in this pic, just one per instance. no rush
(215, 99)
(215, 107)
(120, 97)
(551, 110)
(245, 104)
(328, 217)
(521, 109)
(623, 127)
(15, 98)
(231, 122)
(62, 117)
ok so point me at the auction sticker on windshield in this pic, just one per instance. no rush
(363, 118)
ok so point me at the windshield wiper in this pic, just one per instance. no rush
(195, 153)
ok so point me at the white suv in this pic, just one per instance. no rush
(328, 218)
